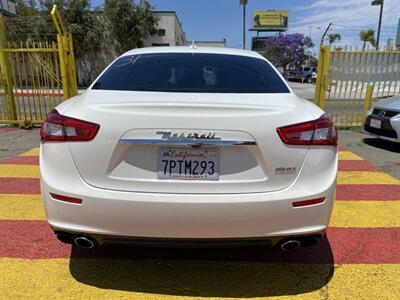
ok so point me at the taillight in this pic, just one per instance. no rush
(316, 132)
(65, 129)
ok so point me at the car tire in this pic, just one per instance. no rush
(309, 79)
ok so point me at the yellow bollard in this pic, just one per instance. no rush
(322, 84)
(368, 99)
(5, 72)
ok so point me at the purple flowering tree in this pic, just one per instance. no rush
(286, 50)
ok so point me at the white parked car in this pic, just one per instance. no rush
(383, 119)
(185, 145)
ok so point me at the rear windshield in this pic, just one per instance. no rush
(191, 73)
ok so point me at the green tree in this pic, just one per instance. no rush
(368, 36)
(287, 50)
(87, 28)
(26, 8)
(98, 35)
(333, 37)
(129, 23)
(82, 21)
(30, 24)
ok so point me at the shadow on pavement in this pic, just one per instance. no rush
(206, 272)
(383, 144)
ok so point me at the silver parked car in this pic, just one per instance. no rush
(383, 119)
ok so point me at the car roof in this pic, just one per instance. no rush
(190, 49)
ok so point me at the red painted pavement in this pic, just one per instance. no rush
(368, 192)
(35, 240)
(20, 160)
(356, 165)
(19, 186)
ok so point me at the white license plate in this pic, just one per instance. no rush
(375, 123)
(188, 164)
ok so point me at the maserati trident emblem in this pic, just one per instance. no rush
(167, 135)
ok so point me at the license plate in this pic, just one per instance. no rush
(375, 123)
(188, 164)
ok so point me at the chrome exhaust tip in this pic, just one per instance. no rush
(84, 242)
(309, 242)
(290, 245)
(65, 238)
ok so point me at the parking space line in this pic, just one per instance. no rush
(350, 177)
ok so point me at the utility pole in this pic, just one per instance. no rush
(325, 32)
(376, 3)
(244, 3)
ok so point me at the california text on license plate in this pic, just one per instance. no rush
(188, 164)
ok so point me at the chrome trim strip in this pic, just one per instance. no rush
(185, 142)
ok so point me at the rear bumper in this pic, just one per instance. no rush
(188, 216)
(382, 137)
(173, 216)
(389, 130)
(101, 239)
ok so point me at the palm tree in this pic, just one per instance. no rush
(334, 37)
(368, 36)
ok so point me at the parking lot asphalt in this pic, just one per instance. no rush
(359, 258)
(303, 90)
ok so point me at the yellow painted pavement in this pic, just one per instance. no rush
(366, 214)
(21, 207)
(347, 155)
(33, 152)
(172, 279)
(19, 171)
(362, 177)
(345, 213)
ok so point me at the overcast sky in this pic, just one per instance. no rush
(218, 19)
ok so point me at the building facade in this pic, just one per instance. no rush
(8, 7)
(221, 43)
(169, 31)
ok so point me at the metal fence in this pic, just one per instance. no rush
(35, 76)
(348, 81)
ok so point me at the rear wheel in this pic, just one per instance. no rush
(309, 79)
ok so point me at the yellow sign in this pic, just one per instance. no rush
(270, 19)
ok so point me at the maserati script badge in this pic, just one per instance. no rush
(167, 135)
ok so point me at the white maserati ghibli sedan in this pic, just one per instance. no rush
(188, 146)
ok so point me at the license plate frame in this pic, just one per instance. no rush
(188, 169)
(375, 123)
